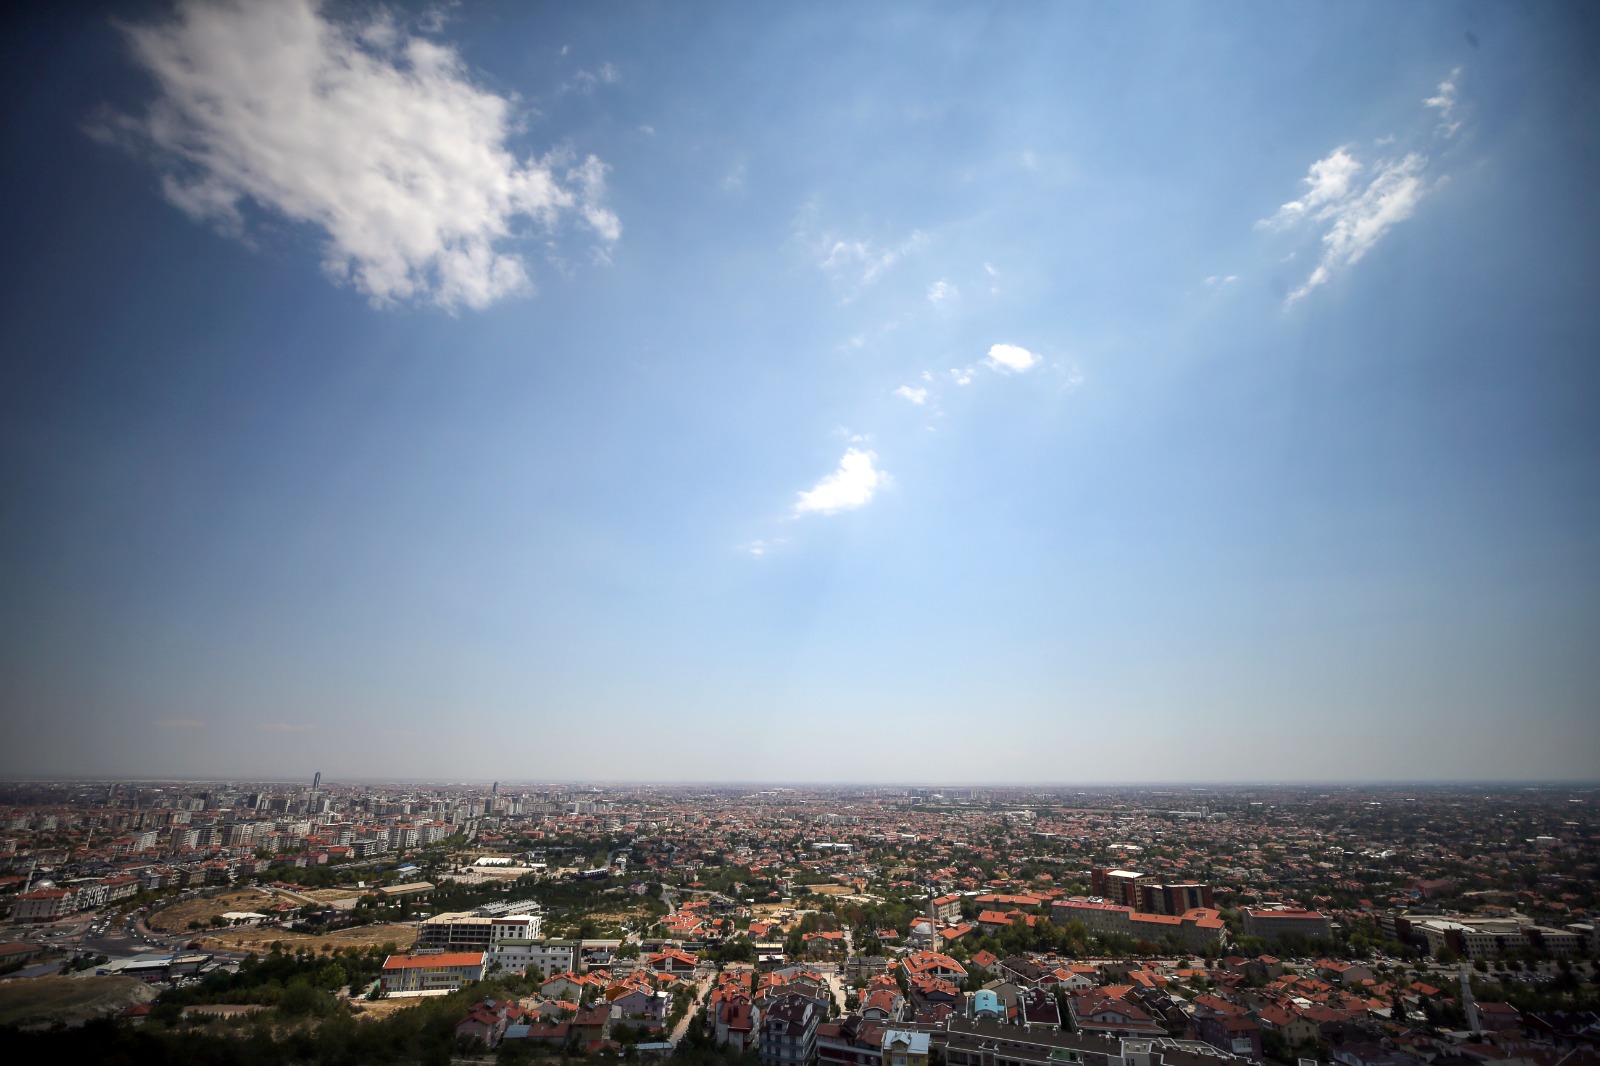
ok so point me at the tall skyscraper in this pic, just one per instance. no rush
(316, 782)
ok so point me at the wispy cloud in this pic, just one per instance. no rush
(852, 485)
(852, 262)
(916, 395)
(865, 262)
(1444, 101)
(1328, 183)
(1010, 359)
(180, 723)
(1352, 204)
(371, 134)
(940, 291)
(587, 81)
(285, 727)
(1356, 222)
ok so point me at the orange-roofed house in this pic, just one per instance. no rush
(443, 972)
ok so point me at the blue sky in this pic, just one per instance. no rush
(912, 393)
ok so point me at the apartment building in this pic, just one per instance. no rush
(444, 972)
(1273, 924)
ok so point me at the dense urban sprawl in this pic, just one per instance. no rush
(1138, 926)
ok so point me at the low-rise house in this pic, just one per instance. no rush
(1096, 1011)
(445, 971)
(672, 960)
(1233, 1033)
(904, 1048)
(882, 1005)
(486, 1022)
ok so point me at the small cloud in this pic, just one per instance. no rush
(180, 723)
(961, 376)
(868, 259)
(759, 548)
(586, 81)
(284, 727)
(853, 263)
(648, 131)
(851, 486)
(1009, 358)
(733, 180)
(988, 268)
(940, 291)
(1444, 101)
(1220, 279)
(916, 396)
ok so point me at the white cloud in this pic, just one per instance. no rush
(1445, 102)
(852, 485)
(1221, 279)
(758, 548)
(941, 291)
(865, 261)
(373, 136)
(586, 81)
(915, 395)
(1353, 205)
(1009, 358)
(1357, 223)
(1328, 182)
(961, 376)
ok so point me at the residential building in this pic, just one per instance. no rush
(904, 1048)
(789, 1030)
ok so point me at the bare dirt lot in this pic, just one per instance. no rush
(329, 895)
(832, 890)
(176, 918)
(225, 1010)
(381, 1008)
(46, 1000)
(251, 938)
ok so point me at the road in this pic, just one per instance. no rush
(701, 985)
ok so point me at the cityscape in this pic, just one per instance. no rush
(1185, 925)
(800, 534)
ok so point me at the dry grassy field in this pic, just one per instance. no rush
(329, 895)
(251, 938)
(46, 1000)
(176, 918)
(381, 1008)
